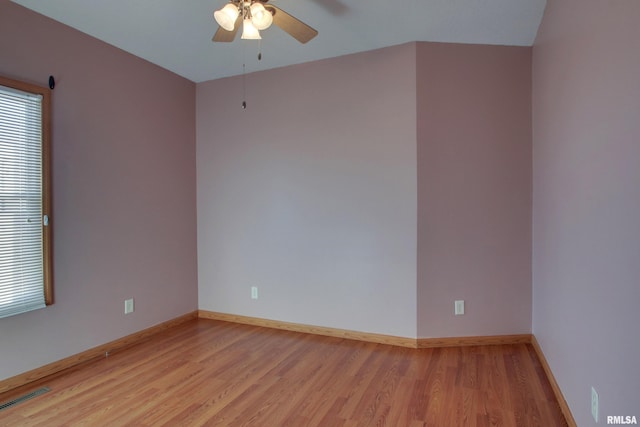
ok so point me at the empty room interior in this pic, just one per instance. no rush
(423, 199)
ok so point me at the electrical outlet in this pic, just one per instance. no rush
(128, 306)
(594, 404)
(254, 292)
(459, 308)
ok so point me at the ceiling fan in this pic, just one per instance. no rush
(256, 15)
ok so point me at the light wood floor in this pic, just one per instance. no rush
(214, 373)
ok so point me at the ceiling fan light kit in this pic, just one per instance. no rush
(257, 15)
(249, 30)
(261, 17)
(226, 17)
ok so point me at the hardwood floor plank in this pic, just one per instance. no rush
(214, 373)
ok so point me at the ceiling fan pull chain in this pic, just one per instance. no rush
(244, 91)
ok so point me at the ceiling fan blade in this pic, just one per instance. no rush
(225, 36)
(295, 27)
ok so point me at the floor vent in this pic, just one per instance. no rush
(21, 399)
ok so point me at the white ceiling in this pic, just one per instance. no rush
(176, 34)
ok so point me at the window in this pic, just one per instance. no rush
(25, 242)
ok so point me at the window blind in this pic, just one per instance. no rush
(21, 240)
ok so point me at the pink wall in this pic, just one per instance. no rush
(310, 193)
(586, 240)
(314, 193)
(474, 189)
(123, 191)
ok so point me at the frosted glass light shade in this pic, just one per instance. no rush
(249, 31)
(260, 17)
(226, 17)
